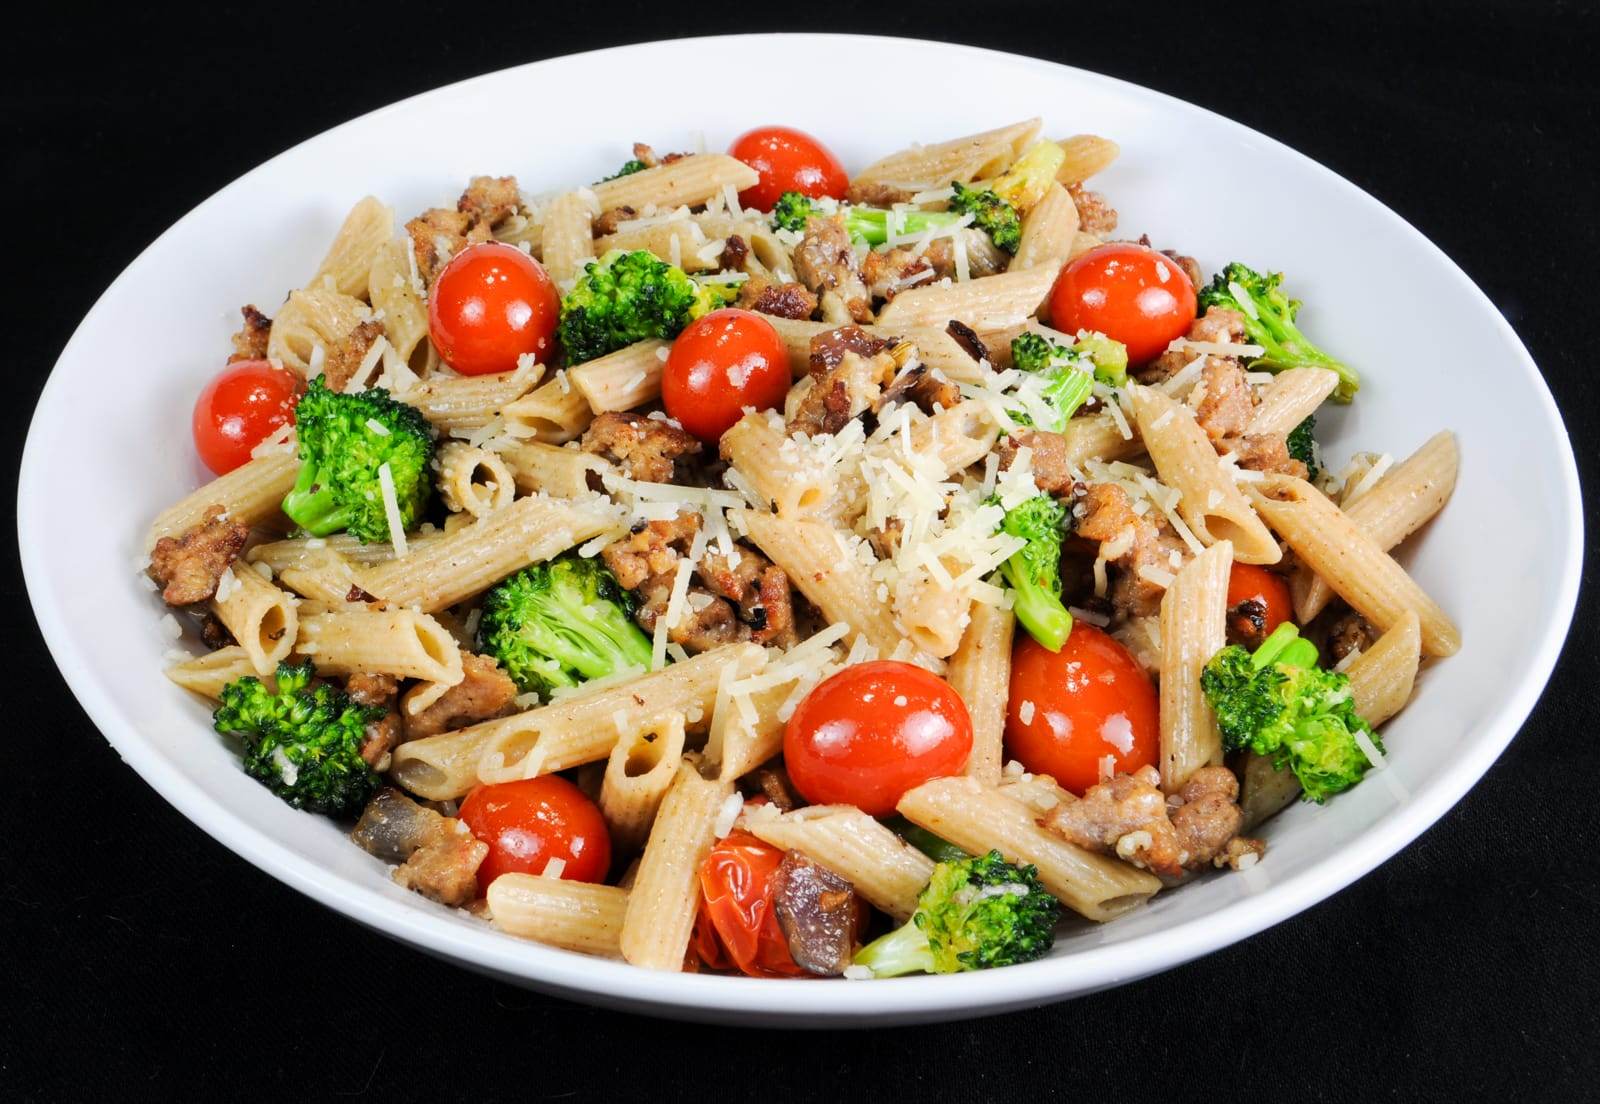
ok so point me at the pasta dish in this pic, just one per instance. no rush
(744, 566)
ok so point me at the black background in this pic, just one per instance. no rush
(139, 959)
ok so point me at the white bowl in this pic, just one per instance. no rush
(1503, 558)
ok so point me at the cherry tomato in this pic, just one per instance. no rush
(788, 160)
(1088, 701)
(249, 402)
(491, 304)
(529, 822)
(1128, 292)
(873, 731)
(720, 364)
(1247, 582)
(737, 906)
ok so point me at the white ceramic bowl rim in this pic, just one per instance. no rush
(902, 999)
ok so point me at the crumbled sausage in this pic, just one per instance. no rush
(758, 589)
(371, 689)
(887, 274)
(1218, 325)
(1051, 471)
(250, 343)
(1095, 215)
(830, 401)
(606, 222)
(1267, 452)
(439, 856)
(872, 193)
(928, 390)
(438, 234)
(1209, 815)
(346, 356)
(825, 261)
(1225, 402)
(484, 692)
(734, 251)
(707, 622)
(652, 548)
(1106, 515)
(189, 566)
(1350, 633)
(381, 737)
(778, 300)
(645, 448)
(1190, 266)
(489, 200)
(829, 347)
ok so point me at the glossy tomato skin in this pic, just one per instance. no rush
(873, 731)
(1128, 292)
(788, 160)
(1087, 701)
(243, 406)
(491, 304)
(1247, 582)
(533, 820)
(738, 923)
(720, 364)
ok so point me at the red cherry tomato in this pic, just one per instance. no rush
(491, 304)
(1127, 292)
(720, 364)
(873, 731)
(738, 923)
(249, 402)
(529, 822)
(1247, 582)
(1087, 701)
(788, 160)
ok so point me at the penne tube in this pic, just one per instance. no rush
(567, 239)
(321, 576)
(934, 617)
(460, 564)
(361, 639)
(404, 314)
(366, 230)
(989, 303)
(883, 868)
(465, 403)
(1209, 503)
(959, 437)
(1194, 613)
(307, 552)
(575, 916)
(1350, 561)
(557, 471)
(316, 317)
(937, 349)
(785, 477)
(251, 493)
(1087, 154)
(523, 228)
(922, 168)
(1381, 678)
(1048, 232)
(208, 674)
(555, 413)
(686, 182)
(638, 774)
(261, 617)
(1291, 398)
(474, 480)
(1099, 437)
(980, 671)
(622, 380)
(978, 818)
(666, 890)
(1402, 502)
(741, 741)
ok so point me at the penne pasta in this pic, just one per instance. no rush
(921, 168)
(314, 318)
(1087, 154)
(1382, 677)
(882, 867)
(207, 674)
(567, 239)
(1291, 398)
(686, 182)
(638, 774)
(366, 230)
(251, 493)
(575, 916)
(557, 471)
(556, 413)
(397, 301)
(474, 480)
(361, 639)
(1194, 613)
(1048, 232)
(990, 303)
(464, 403)
(261, 617)
(790, 480)
(980, 671)
(622, 380)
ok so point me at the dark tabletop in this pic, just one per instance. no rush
(139, 959)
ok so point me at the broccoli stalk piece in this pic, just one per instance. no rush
(346, 443)
(1269, 322)
(871, 225)
(561, 623)
(974, 914)
(1277, 702)
(627, 297)
(302, 742)
(1034, 570)
(935, 847)
(1303, 446)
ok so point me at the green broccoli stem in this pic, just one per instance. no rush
(1285, 645)
(1286, 347)
(935, 847)
(313, 506)
(1039, 611)
(871, 224)
(903, 951)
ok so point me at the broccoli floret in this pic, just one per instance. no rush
(346, 441)
(629, 167)
(1034, 352)
(561, 623)
(1277, 702)
(302, 742)
(1030, 176)
(1269, 322)
(627, 297)
(1303, 446)
(1034, 570)
(1069, 374)
(991, 214)
(935, 847)
(870, 225)
(792, 211)
(974, 914)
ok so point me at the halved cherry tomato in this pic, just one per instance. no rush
(1128, 292)
(873, 731)
(737, 904)
(531, 821)
(788, 160)
(1247, 582)
(491, 304)
(249, 402)
(1069, 710)
(720, 364)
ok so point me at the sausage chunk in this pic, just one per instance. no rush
(758, 589)
(825, 261)
(1218, 325)
(345, 359)
(1095, 215)
(1104, 514)
(778, 300)
(1350, 633)
(439, 234)
(484, 692)
(1225, 402)
(646, 449)
(829, 347)
(651, 549)
(1268, 452)
(828, 402)
(1048, 458)
(489, 200)
(439, 856)
(250, 343)
(189, 566)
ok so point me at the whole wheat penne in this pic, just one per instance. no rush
(1194, 613)
(474, 480)
(622, 380)
(454, 403)
(933, 615)
(366, 229)
(1352, 563)
(1087, 154)
(554, 413)
(980, 671)
(959, 437)
(252, 493)
(396, 300)
(560, 472)
(1048, 231)
(686, 182)
(567, 239)
(990, 303)
(884, 868)
(321, 575)
(303, 552)
(207, 674)
(977, 818)
(638, 773)
(794, 481)
(315, 317)
(1401, 503)
(1381, 678)
(666, 890)
(919, 168)
(363, 639)
(1291, 398)
(1209, 503)
(575, 916)
(1099, 436)
(261, 617)
(940, 350)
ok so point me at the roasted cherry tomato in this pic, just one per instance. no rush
(873, 731)
(1070, 710)
(720, 364)
(788, 160)
(737, 906)
(249, 402)
(491, 304)
(529, 822)
(1128, 292)
(1248, 583)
